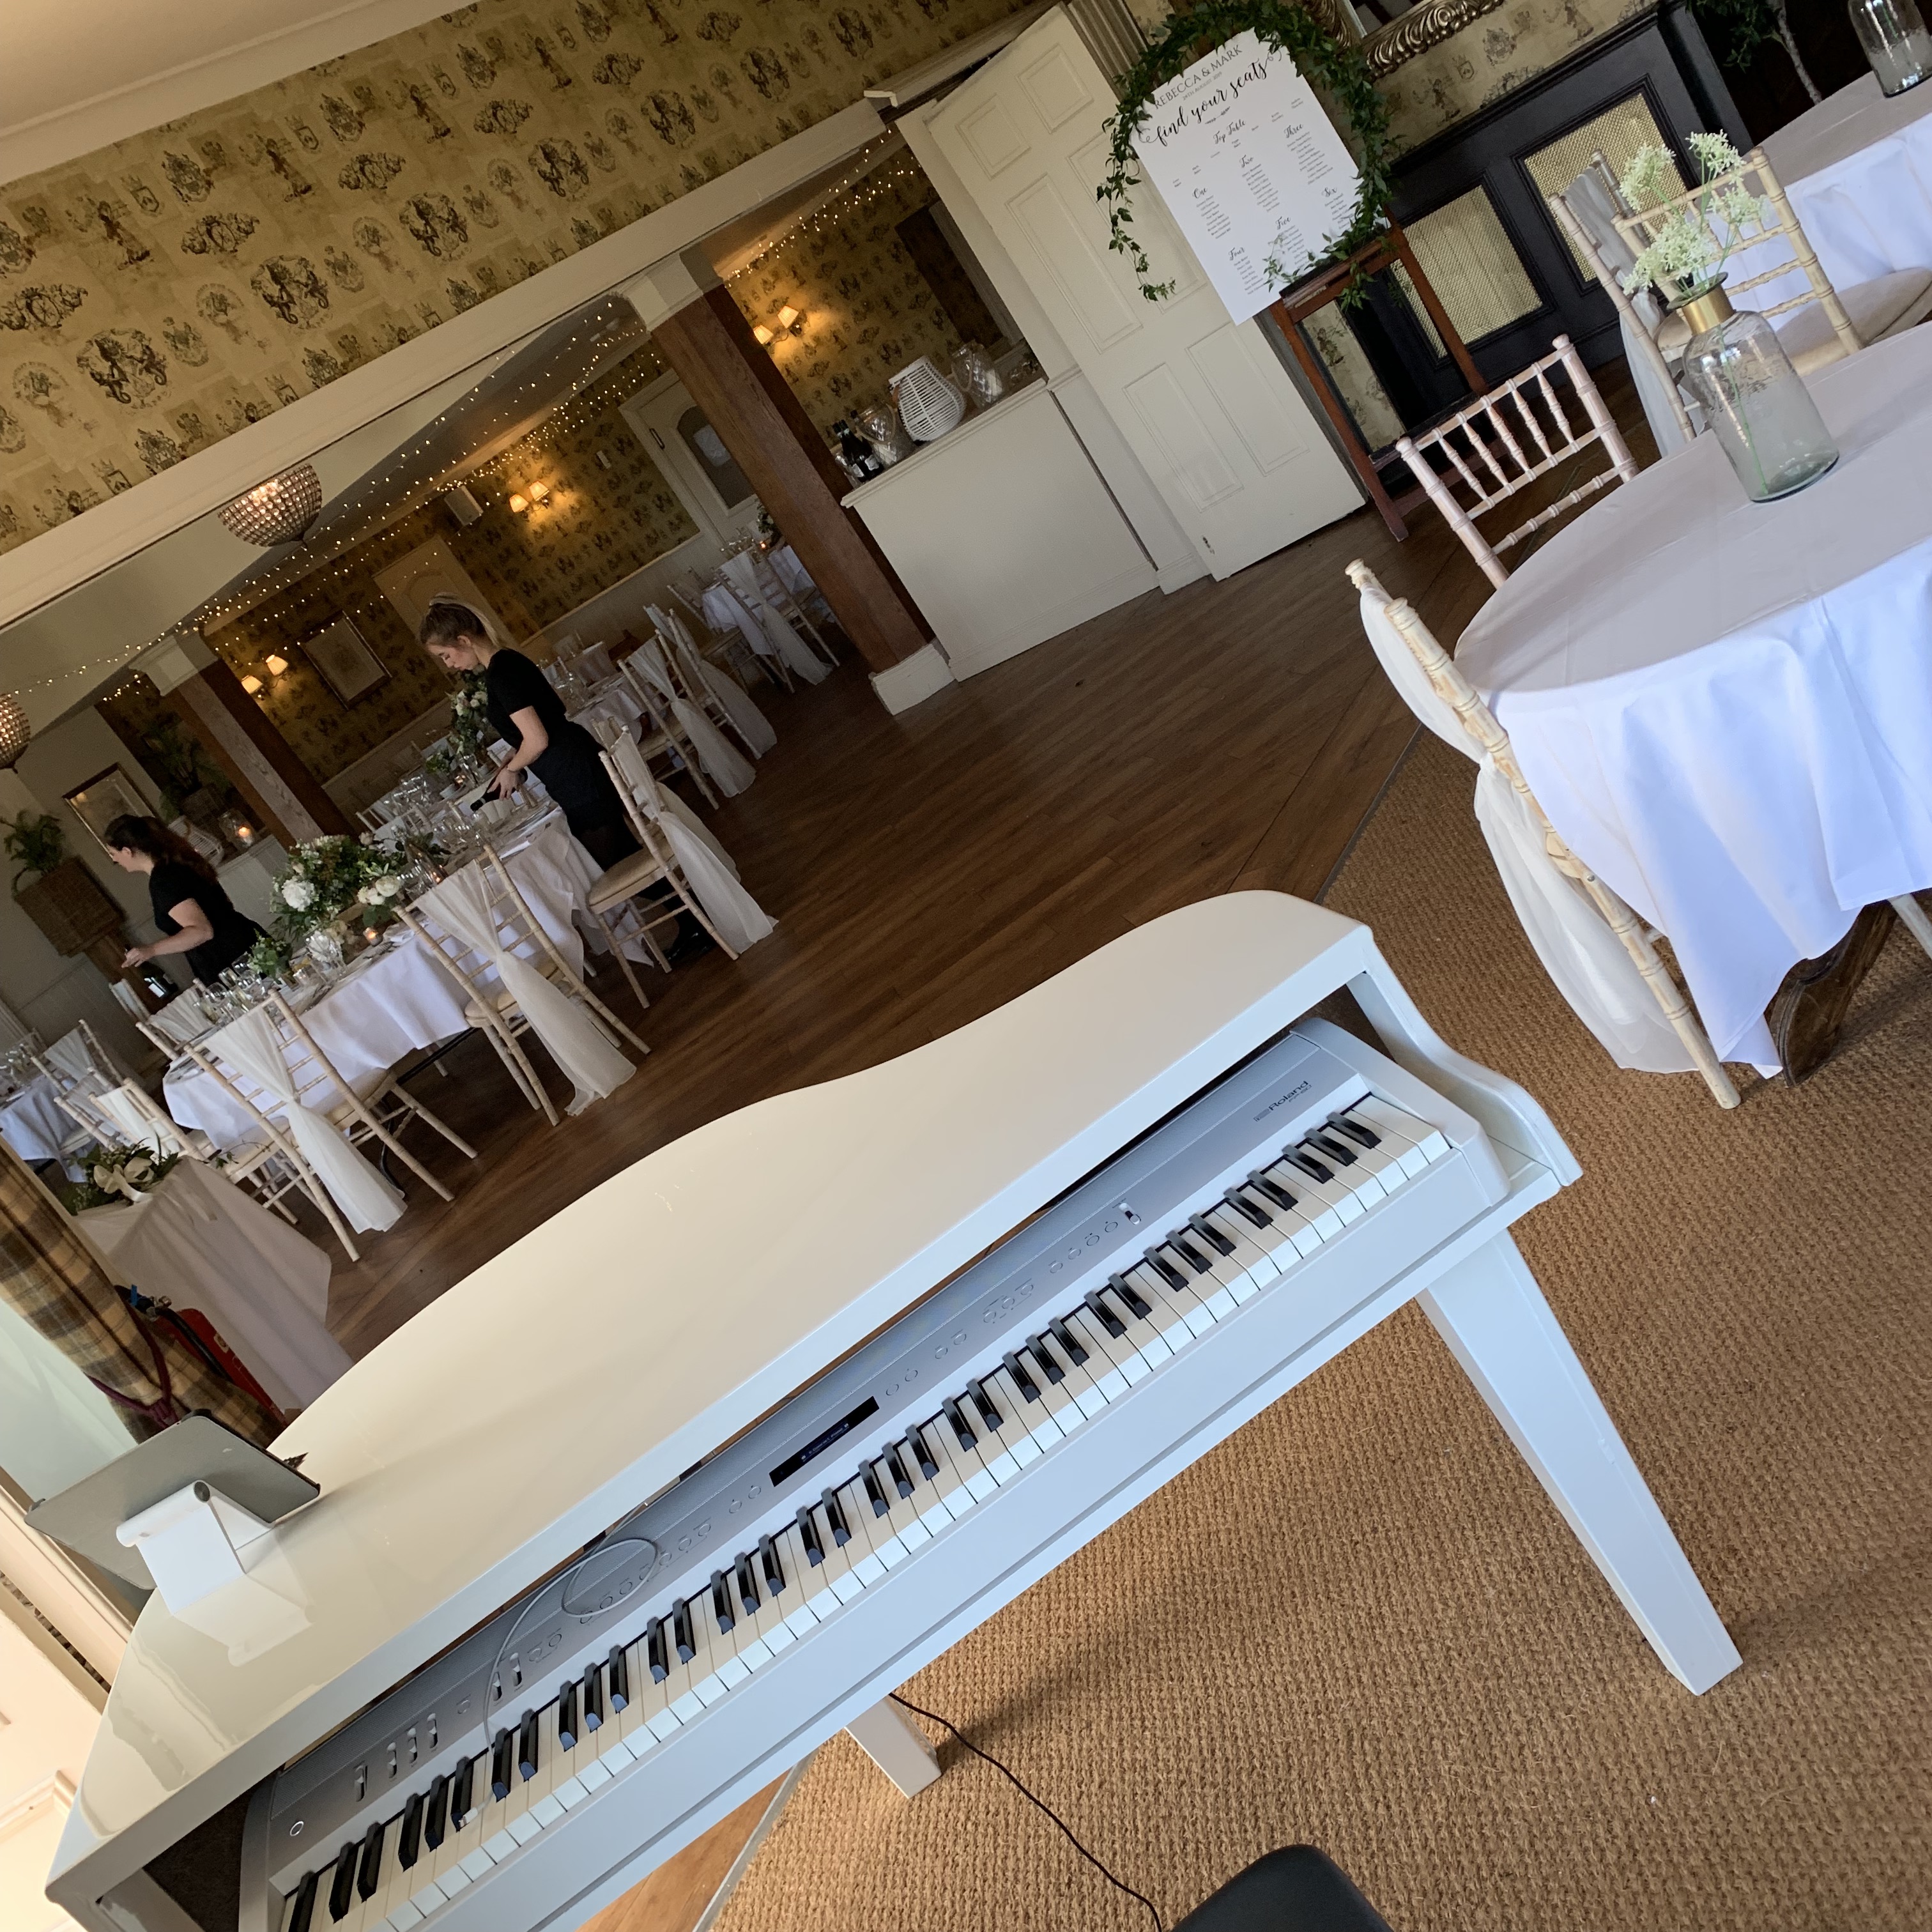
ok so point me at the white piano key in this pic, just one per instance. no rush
(1103, 1358)
(597, 1772)
(1171, 1307)
(1289, 1234)
(1428, 1140)
(1224, 1275)
(974, 1484)
(1056, 1397)
(813, 1599)
(403, 1916)
(839, 1568)
(928, 1497)
(997, 1440)
(902, 1513)
(683, 1706)
(1082, 1375)
(1311, 1195)
(1378, 1165)
(715, 1653)
(861, 1552)
(1036, 1415)
(1262, 1265)
(1143, 1332)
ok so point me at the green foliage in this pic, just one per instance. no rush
(180, 766)
(116, 1175)
(1338, 69)
(1738, 28)
(34, 843)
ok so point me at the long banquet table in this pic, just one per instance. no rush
(1726, 707)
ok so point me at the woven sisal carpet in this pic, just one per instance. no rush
(1360, 1623)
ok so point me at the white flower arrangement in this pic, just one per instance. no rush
(298, 893)
(1685, 257)
(379, 891)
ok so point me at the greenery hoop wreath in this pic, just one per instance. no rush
(1339, 68)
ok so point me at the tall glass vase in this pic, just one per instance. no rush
(1892, 33)
(1757, 404)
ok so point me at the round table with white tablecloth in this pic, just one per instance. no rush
(201, 1242)
(1857, 168)
(32, 1122)
(1726, 707)
(395, 999)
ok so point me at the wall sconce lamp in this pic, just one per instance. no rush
(276, 665)
(539, 493)
(762, 335)
(519, 503)
(791, 321)
(251, 684)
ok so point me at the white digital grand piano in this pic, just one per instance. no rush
(629, 1521)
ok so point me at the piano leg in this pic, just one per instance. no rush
(896, 1745)
(1490, 1312)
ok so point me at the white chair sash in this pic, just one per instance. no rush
(367, 1200)
(731, 771)
(461, 905)
(742, 572)
(136, 1125)
(708, 869)
(747, 720)
(69, 1057)
(1585, 959)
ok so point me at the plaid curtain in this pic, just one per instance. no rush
(153, 1372)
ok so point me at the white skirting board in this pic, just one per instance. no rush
(913, 680)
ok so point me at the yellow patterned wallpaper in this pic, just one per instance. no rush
(601, 524)
(1491, 57)
(159, 294)
(868, 310)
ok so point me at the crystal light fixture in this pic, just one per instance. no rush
(278, 512)
(15, 731)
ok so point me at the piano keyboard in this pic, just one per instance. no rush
(1228, 1200)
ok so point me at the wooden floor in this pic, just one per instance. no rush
(926, 868)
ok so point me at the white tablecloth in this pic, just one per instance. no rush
(1725, 707)
(1858, 169)
(203, 1244)
(32, 1123)
(401, 999)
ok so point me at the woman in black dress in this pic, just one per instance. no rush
(195, 915)
(528, 714)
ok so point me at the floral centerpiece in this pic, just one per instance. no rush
(470, 730)
(119, 1174)
(338, 881)
(1685, 258)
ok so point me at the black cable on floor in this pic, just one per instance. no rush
(1119, 1885)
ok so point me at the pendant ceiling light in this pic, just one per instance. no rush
(15, 731)
(278, 512)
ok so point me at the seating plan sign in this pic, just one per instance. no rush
(1250, 166)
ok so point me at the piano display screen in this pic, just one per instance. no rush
(823, 1441)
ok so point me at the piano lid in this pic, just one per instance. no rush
(581, 1371)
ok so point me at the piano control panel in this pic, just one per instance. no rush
(1306, 1149)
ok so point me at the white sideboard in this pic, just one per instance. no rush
(1003, 532)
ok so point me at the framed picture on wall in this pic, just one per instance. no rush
(344, 662)
(103, 798)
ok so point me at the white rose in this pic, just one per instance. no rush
(385, 889)
(104, 1177)
(365, 895)
(298, 893)
(138, 1169)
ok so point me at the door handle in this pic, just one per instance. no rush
(655, 438)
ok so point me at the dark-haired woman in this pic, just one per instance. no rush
(195, 915)
(525, 711)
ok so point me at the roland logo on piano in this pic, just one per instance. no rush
(1281, 1100)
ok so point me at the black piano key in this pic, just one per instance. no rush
(747, 1584)
(1211, 1234)
(593, 1697)
(1164, 1268)
(1252, 1212)
(1049, 1362)
(369, 1866)
(526, 1746)
(501, 1759)
(875, 1495)
(655, 1652)
(436, 1808)
(896, 1470)
(807, 1536)
(1105, 1315)
(1270, 1190)
(342, 1890)
(1023, 1379)
(1071, 1345)
(566, 1716)
(302, 1914)
(768, 1558)
(408, 1841)
(835, 1519)
(921, 1452)
(1136, 1303)
(983, 1402)
(961, 1428)
(685, 1643)
(1333, 1149)
(1307, 1163)
(463, 1790)
(1360, 1132)
(617, 1673)
(1192, 1256)
(721, 1601)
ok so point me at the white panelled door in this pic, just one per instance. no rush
(1204, 403)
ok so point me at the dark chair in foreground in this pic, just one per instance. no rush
(1297, 1889)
